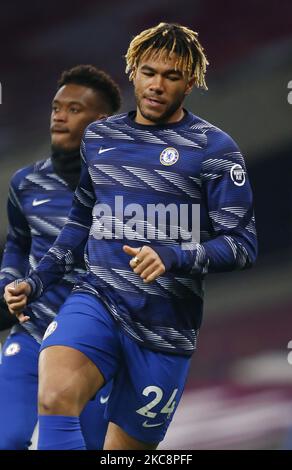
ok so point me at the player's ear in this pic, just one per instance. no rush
(190, 86)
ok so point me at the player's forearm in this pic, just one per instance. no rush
(15, 260)
(59, 260)
(14, 264)
(230, 252)
(224, 253)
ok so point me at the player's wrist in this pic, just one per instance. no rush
(3, 283)
(35, 286)
(167, 256)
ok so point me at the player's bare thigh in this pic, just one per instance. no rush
(67, 380)
(117, 439)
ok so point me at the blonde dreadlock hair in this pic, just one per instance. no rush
(169, 38)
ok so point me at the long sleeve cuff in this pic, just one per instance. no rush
(36, 286)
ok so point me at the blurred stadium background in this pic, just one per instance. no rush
(239, 393)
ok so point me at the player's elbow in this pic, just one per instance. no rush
(247, 256)
(253, 257)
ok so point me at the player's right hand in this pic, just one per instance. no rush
(15, 296)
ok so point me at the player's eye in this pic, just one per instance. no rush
(173, 78)
(74, 110)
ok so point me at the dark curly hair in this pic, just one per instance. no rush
(99, 81)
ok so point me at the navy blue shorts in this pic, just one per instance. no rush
(147, 385)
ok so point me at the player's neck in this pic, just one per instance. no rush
(67, 165)
(177, 116)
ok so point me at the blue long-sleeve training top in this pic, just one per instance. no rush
(128, 169)
(38, 204)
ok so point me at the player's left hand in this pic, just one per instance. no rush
(145, 262)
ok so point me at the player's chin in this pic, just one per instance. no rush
(155, 117)
(62, 142)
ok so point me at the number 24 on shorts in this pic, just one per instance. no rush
(167, 409)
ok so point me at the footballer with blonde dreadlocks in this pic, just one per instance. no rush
(135, 316)
(169, 38)
(172, 53)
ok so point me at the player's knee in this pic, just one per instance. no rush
(54, 401)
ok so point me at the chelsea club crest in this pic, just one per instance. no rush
(12, 349)
(169, 156)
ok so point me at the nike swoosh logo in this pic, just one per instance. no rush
(147, 425)
(101, 150)
(37, 202)
(103, 400)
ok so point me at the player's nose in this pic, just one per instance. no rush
(60, 116)
(157, 84)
